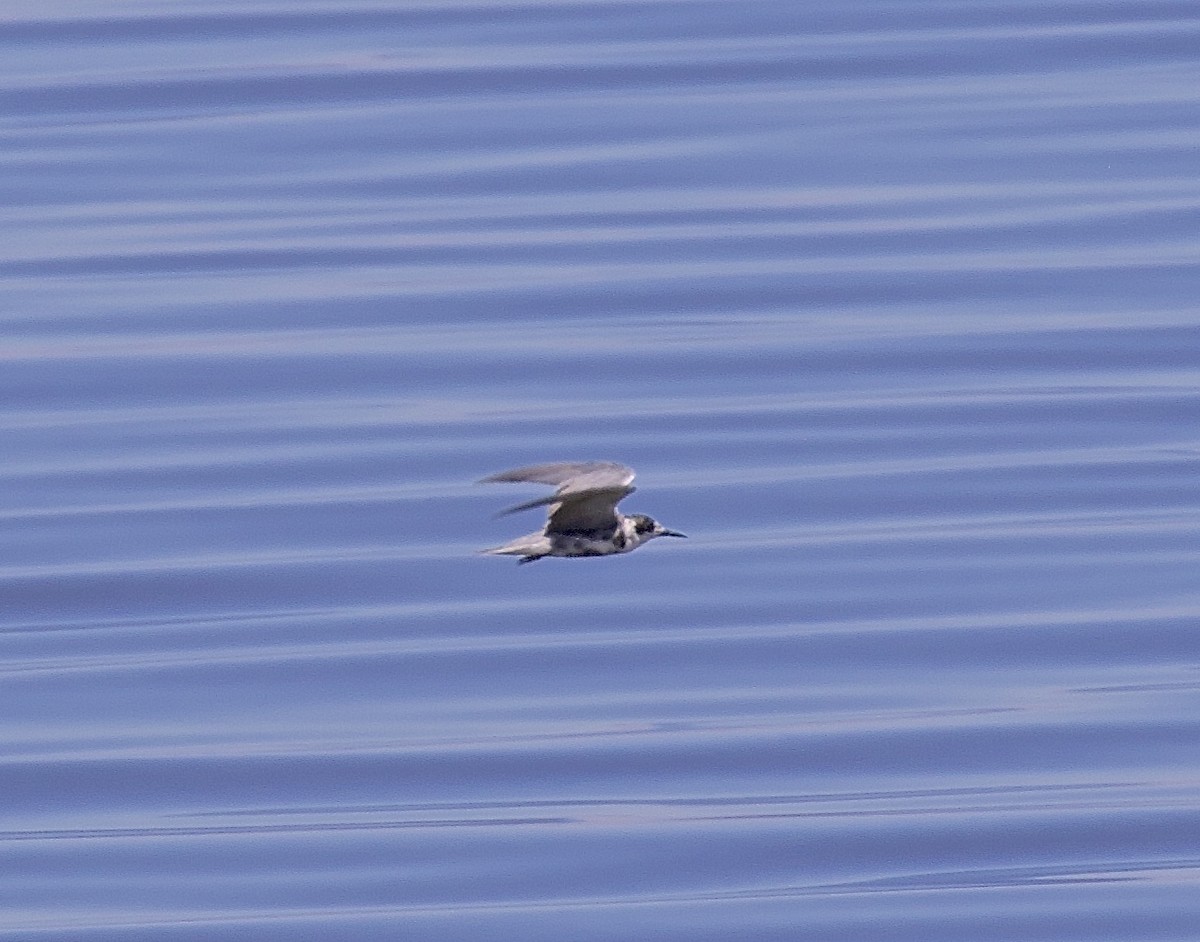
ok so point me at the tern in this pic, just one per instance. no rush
(584, 520)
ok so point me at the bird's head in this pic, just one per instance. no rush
(648, 527)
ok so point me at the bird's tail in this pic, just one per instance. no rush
(532, 545)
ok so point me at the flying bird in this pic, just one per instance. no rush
(584, 520)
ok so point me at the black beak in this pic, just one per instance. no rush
(673, 533)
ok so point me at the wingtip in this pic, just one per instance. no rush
(527, 505)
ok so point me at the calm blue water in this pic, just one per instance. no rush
(892, 305)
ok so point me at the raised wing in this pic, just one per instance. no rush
(587, 495)
(595, 473)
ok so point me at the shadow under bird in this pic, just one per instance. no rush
(584, 520)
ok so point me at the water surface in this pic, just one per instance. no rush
(893, 308)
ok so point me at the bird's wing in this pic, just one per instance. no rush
(587, 494)
(608, 495)
(591, 473)
(594, 509)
